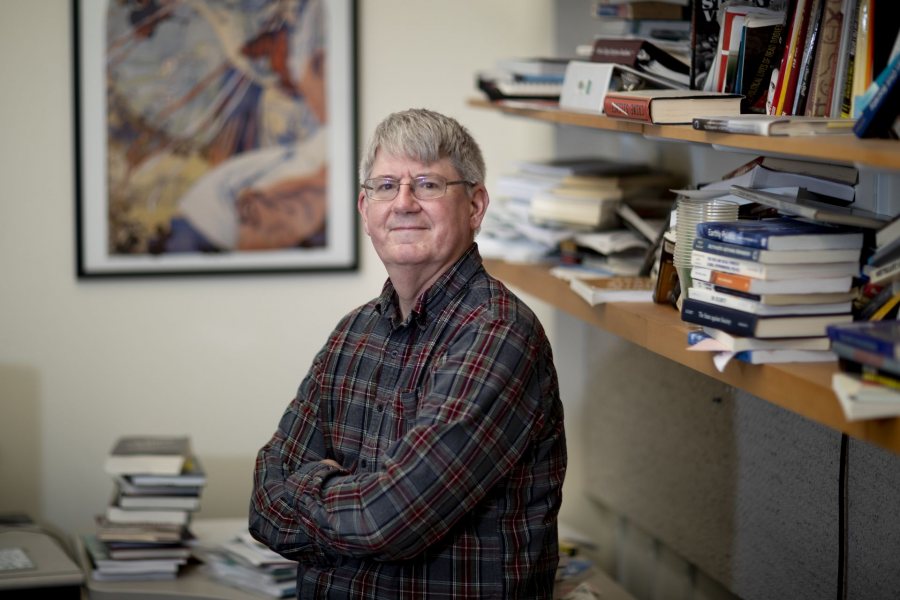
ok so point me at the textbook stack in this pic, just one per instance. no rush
(770, 288)
(578, 202)
(868, 382)
(145, 531)
(883, 266)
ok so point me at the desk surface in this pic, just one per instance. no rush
(193, 584)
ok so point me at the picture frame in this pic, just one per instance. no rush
(211, 138)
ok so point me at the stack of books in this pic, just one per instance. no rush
(546, 203)
(145, 530)
(773, 284)
(883, 266)
(244, 563)
(868, 382)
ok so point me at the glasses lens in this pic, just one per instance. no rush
(381, 189)
(429, 187)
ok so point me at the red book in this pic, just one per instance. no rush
(669, 106)
(790, 40)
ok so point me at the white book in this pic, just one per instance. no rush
(863, 399)
(758, 308)
(759, 270)
(735, 343)
(117, 514)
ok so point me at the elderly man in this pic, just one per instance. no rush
(424, 453)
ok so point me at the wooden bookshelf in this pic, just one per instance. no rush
(873, 154)
(801, 388)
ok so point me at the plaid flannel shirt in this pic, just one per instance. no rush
(449, 430)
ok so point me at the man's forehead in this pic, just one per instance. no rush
(393, 162)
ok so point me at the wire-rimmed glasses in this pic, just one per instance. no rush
(424, 187)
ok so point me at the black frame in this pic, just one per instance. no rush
(342, 251)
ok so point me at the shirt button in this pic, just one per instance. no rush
(394, 353)
(379, 407)
(363, 463)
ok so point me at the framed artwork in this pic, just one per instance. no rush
(215, 137)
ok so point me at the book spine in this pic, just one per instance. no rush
(704, 40)
(882, 110)
(818, 102)
(723, 232)
(786, 100)
(780, 75)
(725, 319)
(811, 42)
(732, 281)
(726, 300)
(635, 109)
(879, 361)
(723, 249)
(728, 265)
(617, 51)
(858, 339)
(886, 273)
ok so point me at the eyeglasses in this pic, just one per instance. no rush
(425, 187)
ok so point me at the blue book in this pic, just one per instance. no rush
(781, 234)
(882, 110)
(879, 337)
(775, 256)
(864, 357)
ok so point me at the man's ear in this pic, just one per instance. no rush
(478, 203)
(361, 208)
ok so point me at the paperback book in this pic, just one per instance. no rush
(614, 289)
(861, 399)
(758, 308)
(746, 324)
(736, 343)
(760, 270)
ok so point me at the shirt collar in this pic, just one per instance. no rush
(436, 297)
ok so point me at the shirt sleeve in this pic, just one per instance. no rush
(288, 467)
(477, 414)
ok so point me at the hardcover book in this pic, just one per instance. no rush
(824, 69)
(746, 324)
(669, 106)
(781, 234)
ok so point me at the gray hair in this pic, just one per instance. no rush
(427, 137)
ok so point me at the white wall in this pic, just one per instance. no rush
(82, 362)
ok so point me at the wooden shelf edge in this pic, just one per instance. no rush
(874, 154)
(804, 389)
